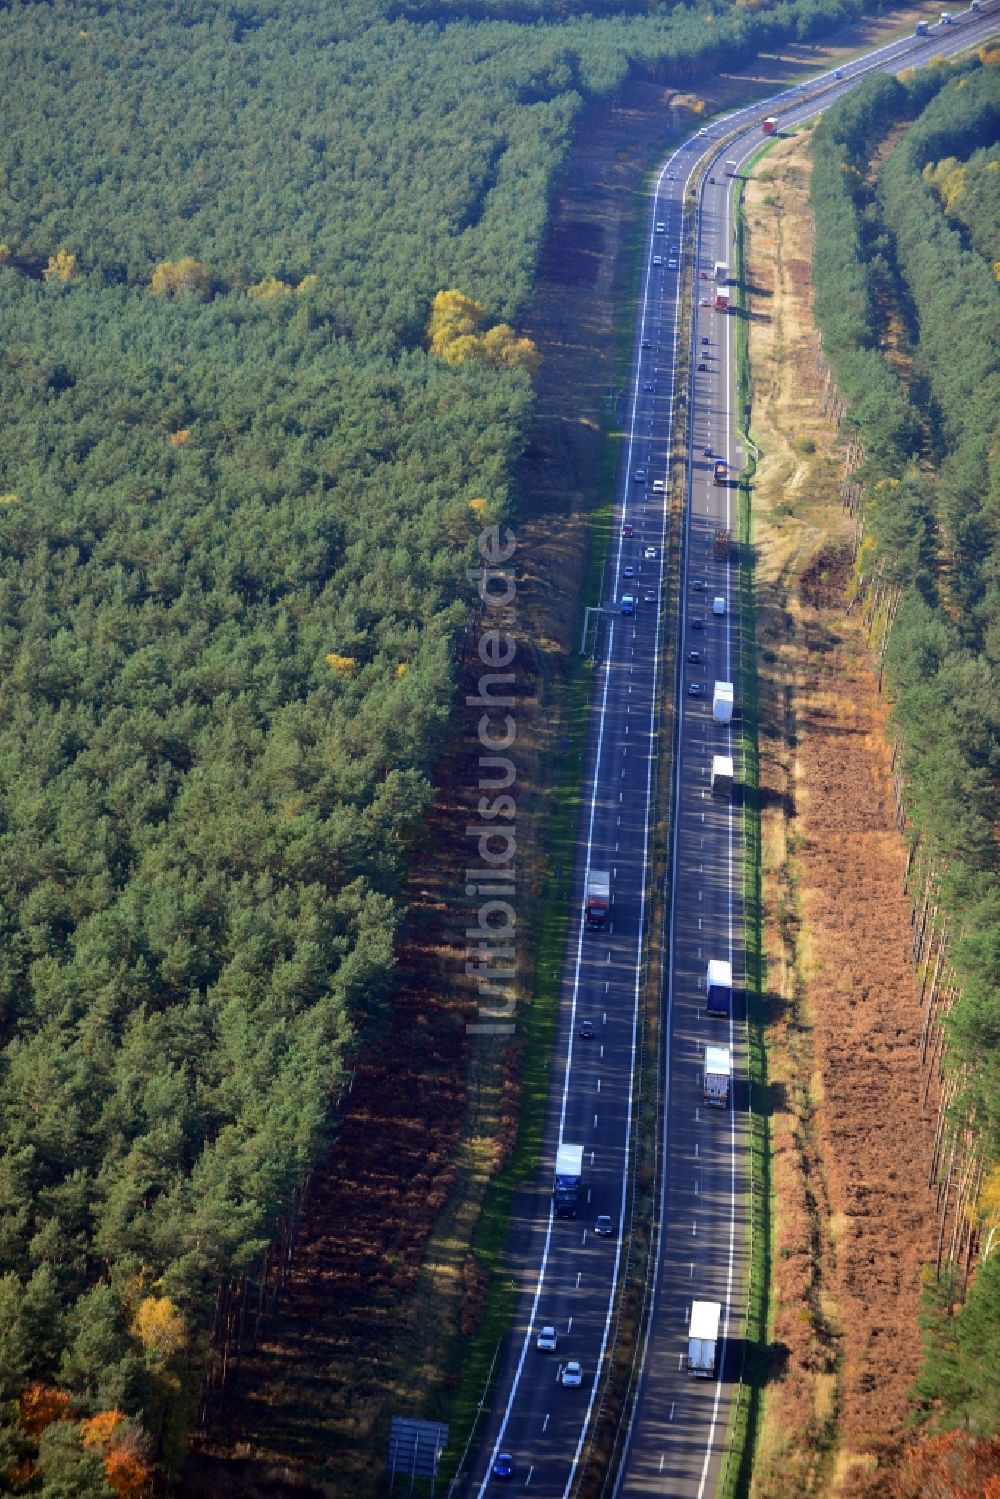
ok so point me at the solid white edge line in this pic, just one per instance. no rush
(580, 934)
(645, 837)
(622, 1472)
(730, 617)
(562, 1113)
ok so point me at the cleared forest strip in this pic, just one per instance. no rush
(853, 1217)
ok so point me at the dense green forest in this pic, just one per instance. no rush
(905, 256)
(238, 493)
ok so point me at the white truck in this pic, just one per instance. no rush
(718, 1074)
(722, 775)
(598, 899)
(721, 273)
(569, 1171)
(703, 1337)
(719, 987)
(722, 702)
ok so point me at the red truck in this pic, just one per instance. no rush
(597, 901)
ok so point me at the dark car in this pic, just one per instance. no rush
(694, 656)
(503, 1465)
(697, 623)
(627, 528)
(694, 689)
(647, 343)
(649, 596)
(647, 385)
(698, 584)
(705, 342)
(587, 1030)
(702, 365)
(706, 452)
(712, 181)
(603, 1225)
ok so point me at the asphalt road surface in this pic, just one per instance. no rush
(675, 1444)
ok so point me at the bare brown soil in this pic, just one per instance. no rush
(851, 1141)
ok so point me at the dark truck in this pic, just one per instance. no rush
(569, 1170)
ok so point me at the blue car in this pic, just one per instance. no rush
(503, 1465)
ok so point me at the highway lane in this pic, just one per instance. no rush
(676, 1440)
(566, 1274)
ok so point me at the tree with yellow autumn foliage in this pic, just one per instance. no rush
(502, 349)
(946, 178)
(161, 1327)
(61, 267)
(454, 316)
(272, 286)
(344, 666)
(172, 277)
(267, 289)
(453, 334)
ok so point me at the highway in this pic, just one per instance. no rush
(568, 1274)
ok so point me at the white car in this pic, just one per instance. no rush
(546, 1342)
(657, 259)
(718, 606)
(640, 476)
(650, 554)
(661, 228)
(572, 1374)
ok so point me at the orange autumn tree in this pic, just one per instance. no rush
(40, 1405)
(120, 1444)
(950, 1465)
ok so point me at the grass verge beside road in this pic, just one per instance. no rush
(744, 1422)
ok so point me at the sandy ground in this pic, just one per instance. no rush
(852, 1212)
